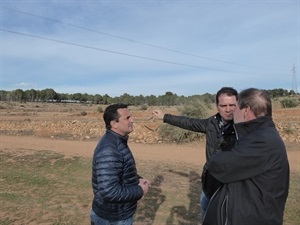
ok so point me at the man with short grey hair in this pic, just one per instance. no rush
(255, 172)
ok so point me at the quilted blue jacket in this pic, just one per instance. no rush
(114, 178)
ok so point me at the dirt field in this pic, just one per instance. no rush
(74, 129)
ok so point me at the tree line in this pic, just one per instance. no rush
(168, 99)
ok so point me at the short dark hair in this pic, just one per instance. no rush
(111, 113)
(228, 91)
(257, 99)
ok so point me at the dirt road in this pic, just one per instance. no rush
(189, 153)
(193, 153)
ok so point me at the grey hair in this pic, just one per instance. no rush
(257, 99)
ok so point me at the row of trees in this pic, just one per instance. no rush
(169, 98)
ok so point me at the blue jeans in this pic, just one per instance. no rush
(204, 203)
(96, 220)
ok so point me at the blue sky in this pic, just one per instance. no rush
(149, 47)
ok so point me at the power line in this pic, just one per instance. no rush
(119, 53)
(128, 39)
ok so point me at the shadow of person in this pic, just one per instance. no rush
(149, 205)
(191, 216)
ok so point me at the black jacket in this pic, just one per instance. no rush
(114, 178)
(255, 174)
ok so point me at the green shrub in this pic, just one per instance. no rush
(100, 109)
(289, 102)
(83, 113)
(144, 107)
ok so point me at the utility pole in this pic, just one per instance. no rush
(294, 80)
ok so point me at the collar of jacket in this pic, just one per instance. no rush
(244, 128)
(219, 120)
(123, 138)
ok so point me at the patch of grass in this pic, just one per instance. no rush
(292, 210)
(289, 129)
(44, 183)
(42, 187)
(10, 197)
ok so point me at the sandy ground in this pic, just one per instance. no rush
(193, 153)
(189, 153)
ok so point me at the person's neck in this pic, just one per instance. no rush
(224, 121)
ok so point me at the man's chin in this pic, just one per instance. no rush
(229, 118)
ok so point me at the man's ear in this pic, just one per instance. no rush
(246, 112)
(114, 124)
(249, 114)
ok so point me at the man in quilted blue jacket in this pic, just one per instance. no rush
(116, 185)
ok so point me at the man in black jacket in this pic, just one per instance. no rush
(255, 173)
(116, 185)
(219, 132)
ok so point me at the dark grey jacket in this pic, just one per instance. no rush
(255, 174)
(216, 137)
(114, 178)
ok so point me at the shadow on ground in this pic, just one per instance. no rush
(179, 214)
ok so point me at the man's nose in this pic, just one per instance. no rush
(228, 108)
